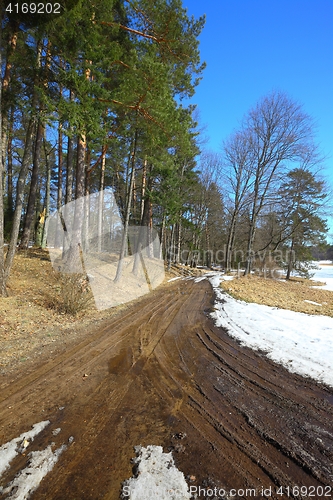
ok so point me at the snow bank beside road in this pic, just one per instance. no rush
(300, 342)
(39, 463)
(8, 451)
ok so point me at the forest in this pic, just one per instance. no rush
(97, 97)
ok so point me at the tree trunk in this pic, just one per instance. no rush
(39, 229)
(3, 291)
(171, 249)
(290, 260)
(73, 257)
(101, 201)
(179, 234)
(150, 231)
(47, 194)
(249, 251)
(253, 226)
(33, 188)
(70, 162)
(80, 167)
(128, 211)
(60, 162)
(143, 187)
(145, 230)
(69, 170)
(10, 201)
(5, 85)
(162, 239)
(230, 244)
(19, 200)
(208, 255)
(21, 180)
(86, 221)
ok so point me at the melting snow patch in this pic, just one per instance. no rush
(156, 477)
(196, 280)
(8, 451)
(311, 302)
(28, 479)
(215, 280)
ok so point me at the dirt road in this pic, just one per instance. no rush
(163, 374)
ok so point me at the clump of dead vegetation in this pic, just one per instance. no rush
(71, 294)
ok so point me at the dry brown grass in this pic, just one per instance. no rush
(33, 317)
(280, 293)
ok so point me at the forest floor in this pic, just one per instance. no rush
(157, 371)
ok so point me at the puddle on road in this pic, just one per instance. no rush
(122, 362)
(327, 397)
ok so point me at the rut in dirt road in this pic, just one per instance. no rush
(163, 374)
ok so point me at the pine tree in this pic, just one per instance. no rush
(302, 198)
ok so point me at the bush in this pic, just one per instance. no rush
(73, 293)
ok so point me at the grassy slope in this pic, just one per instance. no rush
(280, 293)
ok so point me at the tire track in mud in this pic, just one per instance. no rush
(161, 371)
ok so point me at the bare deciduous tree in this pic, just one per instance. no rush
(238, 170)
(276, 135)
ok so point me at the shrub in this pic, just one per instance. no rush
(73, 293)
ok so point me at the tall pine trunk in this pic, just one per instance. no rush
(69, 170)
(127, 213)
(70, 161)
(20, 188)
(60, 162)
(59, 242)
(10, 201)
(145, 230)
(162, 238)
(3, 291)
(74, 253)
(101, 201)
(47, 193)
(11, 47)
(86, 221)
(179, 237)
(33, 188)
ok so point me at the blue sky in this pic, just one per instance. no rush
(252, 47)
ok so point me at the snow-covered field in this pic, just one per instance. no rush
(302, 343)
(325, 274)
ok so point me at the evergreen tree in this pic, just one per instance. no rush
(302, 198)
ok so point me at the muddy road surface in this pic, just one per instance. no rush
(162, 374)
